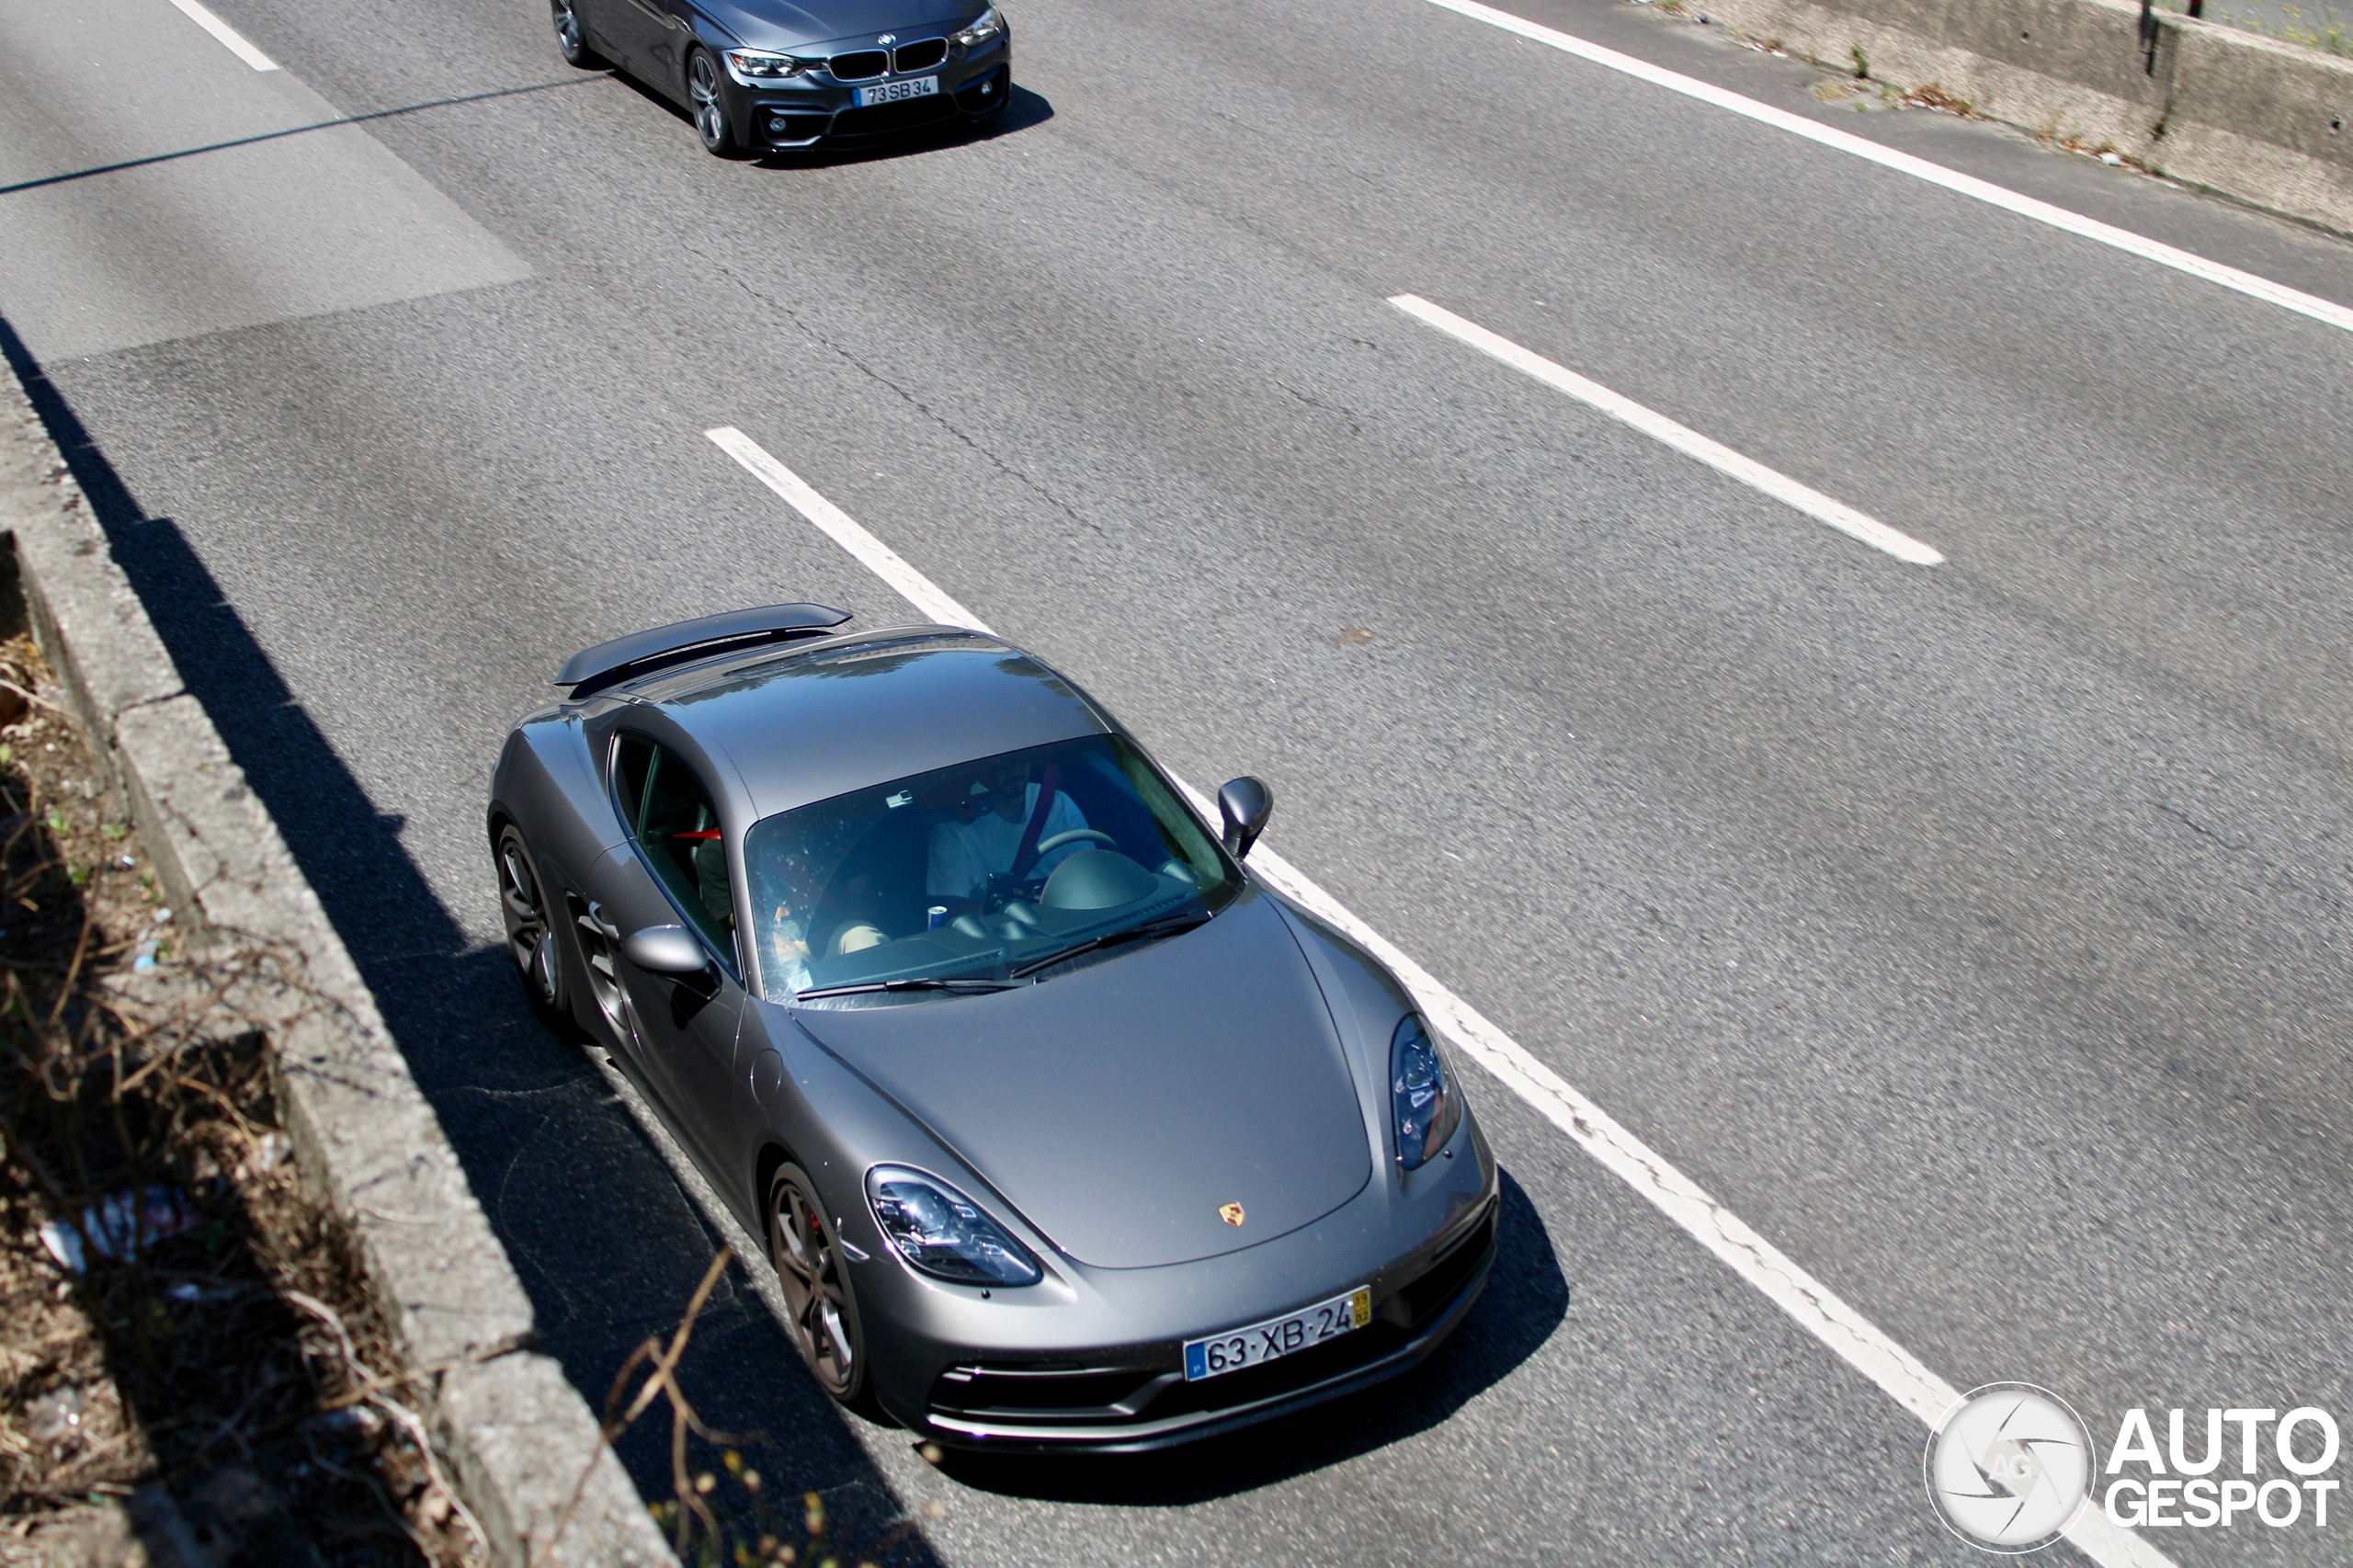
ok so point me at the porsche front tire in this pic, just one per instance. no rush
(821, 1315)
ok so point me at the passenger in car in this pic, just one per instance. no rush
(709, 862)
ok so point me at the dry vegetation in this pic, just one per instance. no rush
(210, 1371)
(722, 1515)
(189, 1365)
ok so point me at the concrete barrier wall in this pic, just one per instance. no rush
(517, 1434)
(2269, 122)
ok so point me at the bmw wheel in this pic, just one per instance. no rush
(529, 936)
(820, 1313)
(710, 112)
(570, 38)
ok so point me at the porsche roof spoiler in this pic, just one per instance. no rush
(608, 664)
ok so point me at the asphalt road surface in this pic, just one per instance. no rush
(1975, 931)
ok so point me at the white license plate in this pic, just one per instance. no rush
(893, 92)
(1277, 1337)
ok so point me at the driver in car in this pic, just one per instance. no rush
(998, 819)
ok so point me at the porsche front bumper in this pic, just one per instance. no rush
(1144, 1403)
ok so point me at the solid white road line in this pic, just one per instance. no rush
(836, 525)
(231, 38)
(2164, 255)
(1659, 427)
(1821, 1313)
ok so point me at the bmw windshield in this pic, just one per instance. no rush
(988, 873)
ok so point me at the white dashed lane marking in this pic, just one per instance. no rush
(1659, 427)
(231, 38)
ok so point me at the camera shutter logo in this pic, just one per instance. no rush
(2009, 1467)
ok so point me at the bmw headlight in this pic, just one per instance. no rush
(987, 26)
(1426, 1104)
(942, 1232)
(761, 65)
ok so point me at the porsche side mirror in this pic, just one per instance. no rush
(1245, 803)
(665, 949)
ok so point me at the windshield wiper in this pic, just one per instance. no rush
(920, 983)
(1167, 925)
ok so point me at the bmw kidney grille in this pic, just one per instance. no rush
(922, 55)
(864, 64)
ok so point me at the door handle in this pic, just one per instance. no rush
(595, 920)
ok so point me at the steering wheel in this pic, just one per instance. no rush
(1002, 890)
(1074, 835)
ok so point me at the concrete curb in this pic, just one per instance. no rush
(2267, 122)
(517, 1433)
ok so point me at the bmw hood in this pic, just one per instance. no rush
(1122, 1107)
(782, 24)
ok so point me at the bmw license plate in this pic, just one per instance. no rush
(893, 92)
(1277, 1337)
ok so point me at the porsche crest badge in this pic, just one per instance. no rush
(1230, 1212)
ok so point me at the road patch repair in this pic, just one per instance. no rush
(440, 1331)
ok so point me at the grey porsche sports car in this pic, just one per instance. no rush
(767, 75)
(1062, 1128)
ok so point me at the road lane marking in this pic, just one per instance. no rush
(2074, 223)
(1845, 1332)
(231, 38)
(1690, 442)
(837, 525)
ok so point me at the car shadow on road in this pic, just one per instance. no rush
(607, 1243)
(1023, 108)
(1525, 1301)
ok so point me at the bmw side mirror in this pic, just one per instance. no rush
(665, 949)
(1245, 803)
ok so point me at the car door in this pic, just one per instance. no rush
(673, 870)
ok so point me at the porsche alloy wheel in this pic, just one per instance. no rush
(819, 1312)
(711, 115)
(529, 936)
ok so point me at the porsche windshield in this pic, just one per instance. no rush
(987, 872)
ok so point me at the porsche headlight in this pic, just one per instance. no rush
(1426, 1106)
(761, 65)
(986, 26)
(942, 1232)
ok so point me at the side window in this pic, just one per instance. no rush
(675, 825)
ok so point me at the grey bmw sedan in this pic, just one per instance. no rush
(760, 75)
(1061, 1128)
